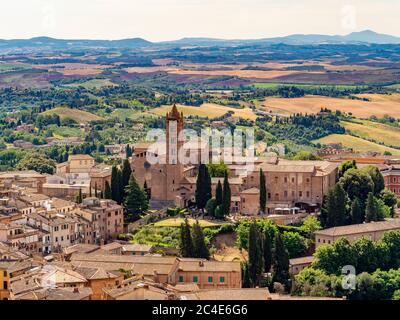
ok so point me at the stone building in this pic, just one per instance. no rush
(373, 231)
(289, 183)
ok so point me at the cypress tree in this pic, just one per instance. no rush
(357, 214)
(207, 187)
(281, 261)
(125, 176)
(219, 193)
(226, 198)
(333, 211)
(371, 209)
(115, 184)
(199, 193)
(256, 264)
(263, 192)
(136, 201)
(78, 198)
(128, 151)
(203, 187)
(200, 249)
(107, 191)
(267, 250)
(147, 190)
(245, 275)
(186, 245)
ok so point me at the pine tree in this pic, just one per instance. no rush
(357, 214)
(107, 191)
(136, 201)
(79, 198)
(186, 244)
(281, 261)
(200, 249)
(371, 209)
(263, 192)
(226, 196)
(256, 264)
(267, 250)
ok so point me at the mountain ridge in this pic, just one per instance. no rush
(362, 37)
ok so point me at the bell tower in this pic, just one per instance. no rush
(174, 168)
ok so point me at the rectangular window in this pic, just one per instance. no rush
(5, 274)
(181, 279)
(222, 279)
(5, 285)
(210, 279)
(195, 279)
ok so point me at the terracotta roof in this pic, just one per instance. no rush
(137, 247)
(80, 157)
(190, 265)
(55, 294)
(228, 294)
(15, 266)
(64, 276)
(81, 248)
(302, 260)
(97, 273)
(111, 246)
(21, 174)
(387, 225)
(34, 197)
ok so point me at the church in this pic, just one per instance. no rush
(290, 184)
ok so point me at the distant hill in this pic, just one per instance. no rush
(366, 36)
(67, 44)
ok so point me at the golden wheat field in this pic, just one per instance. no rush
(379, 132)
(379, 105)
(357, 144)
(79, 116)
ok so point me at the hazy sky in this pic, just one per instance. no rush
(172, 19)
